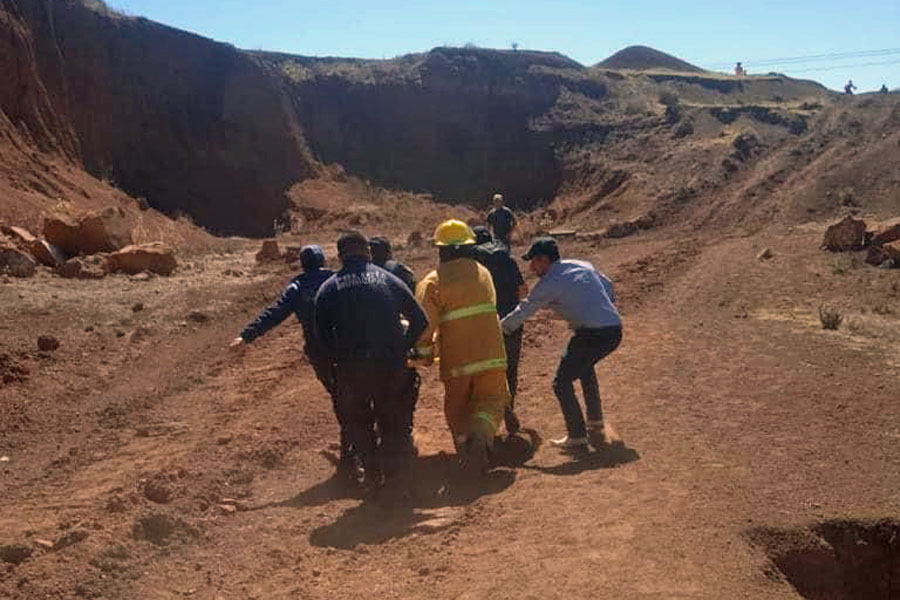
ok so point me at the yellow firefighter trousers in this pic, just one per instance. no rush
(475, 403)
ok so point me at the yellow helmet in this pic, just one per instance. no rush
(453, 233)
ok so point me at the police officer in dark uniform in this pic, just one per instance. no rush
(298, 298)
(358, 316)
(383, 256)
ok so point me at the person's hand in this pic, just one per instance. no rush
(236, 342)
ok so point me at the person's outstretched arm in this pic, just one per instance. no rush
(542, 295)
(271, 317)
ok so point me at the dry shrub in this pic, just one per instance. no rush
(668, 98)
(830, 317)
(636, 107)
(883, 308)
(844, 263)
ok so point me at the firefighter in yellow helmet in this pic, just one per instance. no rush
(464, 331)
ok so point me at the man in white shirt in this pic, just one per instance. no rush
(586, 299)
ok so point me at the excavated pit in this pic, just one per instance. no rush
(836, 560)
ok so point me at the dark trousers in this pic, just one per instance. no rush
(369, 396)
(586, 348)
(326, 373)
(513, 344)
(409, 397)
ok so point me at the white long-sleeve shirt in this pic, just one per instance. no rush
(576, 291)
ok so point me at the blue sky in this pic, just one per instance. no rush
(706, 33)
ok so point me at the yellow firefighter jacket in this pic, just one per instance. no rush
(460, 302)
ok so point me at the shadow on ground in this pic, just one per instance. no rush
(605, 457)
(434, 498)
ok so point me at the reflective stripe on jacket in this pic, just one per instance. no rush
(460, 302)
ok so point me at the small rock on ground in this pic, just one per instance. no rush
(47, 343)
(15, 554)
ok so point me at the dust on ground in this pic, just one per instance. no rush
(144, 460)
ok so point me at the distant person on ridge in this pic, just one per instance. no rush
(884, 89)
(358, 315)
(739, 70)
(585, 298)
(383, 256)
(502, 220)
(299, 298)
(848, 89)
(510, 287)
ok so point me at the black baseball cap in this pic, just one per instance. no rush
(543, 246)
(482, 234)
(379, 242)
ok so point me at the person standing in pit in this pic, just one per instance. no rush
(501, 220)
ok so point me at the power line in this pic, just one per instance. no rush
(849, 66)
(812, 58)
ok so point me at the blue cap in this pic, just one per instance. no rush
(312, 257)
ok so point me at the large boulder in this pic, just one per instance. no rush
(62, 232)
(42, 251)
(84, 267)
(155, 257)
(885, 253)
(104, 231)
(892, 252)
(891, 234)
(292, 254)
(46, 253)
(270, 252)
(849, 234)
(19, 235)
(15, 262)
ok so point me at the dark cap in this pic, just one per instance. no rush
(353, 243)
(482, 234)
(543, 246)
(312, 257)
(381, 249)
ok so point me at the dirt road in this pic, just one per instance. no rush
(160, 465)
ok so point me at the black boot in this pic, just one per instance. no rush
(512, 421)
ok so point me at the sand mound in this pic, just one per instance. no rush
(642, 58)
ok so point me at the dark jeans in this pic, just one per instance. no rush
(585, 349)
(369, 396)
(513, 344)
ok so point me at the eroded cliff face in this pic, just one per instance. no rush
(23, 97)
(458, 123)
(201, 128)
(195, 126)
